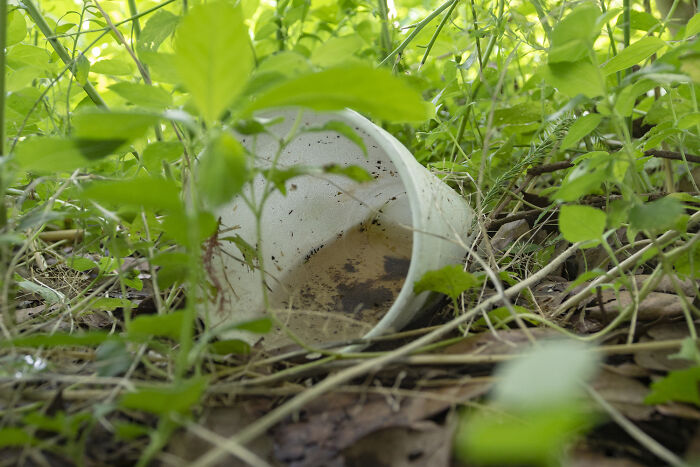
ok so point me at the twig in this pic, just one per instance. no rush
(631, 429)
(45, 29)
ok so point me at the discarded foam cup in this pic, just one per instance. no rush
(340, 256)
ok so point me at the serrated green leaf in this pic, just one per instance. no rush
(581, 223)
(374, 91)
(451, 280)
(213, 56)
(635, 53)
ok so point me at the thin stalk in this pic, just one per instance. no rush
(419, 27)
(3, 39)
(134, 12)
(436, 34)
(386, 35)
(45, 29)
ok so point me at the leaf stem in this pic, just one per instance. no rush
(43, 26)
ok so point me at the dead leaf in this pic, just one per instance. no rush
(624, 393)
(659, 359)
(336, 421)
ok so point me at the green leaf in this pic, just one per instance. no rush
(124, 126)
(635, 53)
(656, 216)
(223, 170)
(143, 95)
(51, 296)
(374, 91)
(451, 280)
(581, 127)
(112, 358)
(624, 104)
(679, 386)
(15, 437)
(112, 67)
(169, 325)
(574, 78)
(534, 438)
(526, 383)
(688, 265)
(343, 129)
(336, 50)
(688, 351)
(47, 155)
(580, 223)
(16, 27)
(148, 192)
(639, 20)
(155, 153)
(573, 37)
(178, 398)
(59, 340)
(213, 56)
(109, 304)
(353, 172)
(81, 69)
(693, 26)
(176, 226)
(81, 264)
(498, 315)
(174, 268)
(258, 326)
(247, 250)
(158, 28)
(230, 346)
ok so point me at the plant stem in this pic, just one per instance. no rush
(43, 26)
(386, 36)
(134, 12)
(419, 27)
(436, 34)
(3, 38)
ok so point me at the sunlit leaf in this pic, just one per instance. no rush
(572, 37)
(16, 27)
(143, 95)
(149, 192)
(45, 155)
(581, 128)
(635, 53)
(213, 56)
(580, 223)
(573, 78)
(451, 280)
(223, 170)
(374, 91)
